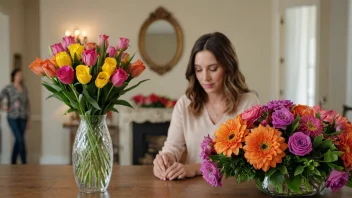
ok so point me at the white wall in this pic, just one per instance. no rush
(338, 55)
(246, 23)
(5, 133)
(349, 59)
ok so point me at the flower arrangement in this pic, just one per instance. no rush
(297, 149)
(90, 79)
(153, 101)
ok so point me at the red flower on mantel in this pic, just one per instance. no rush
(153, 101)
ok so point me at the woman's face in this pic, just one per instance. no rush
(209, 72)
(18, 77)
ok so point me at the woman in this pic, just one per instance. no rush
(17, 113)
(216, 92)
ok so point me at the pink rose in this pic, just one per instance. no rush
(111, 51)
(68, 40)
(66, 74)
(119, 77)
(148, 101)
(103, 38)
(57, 48)
(122, 44)
(252, 114)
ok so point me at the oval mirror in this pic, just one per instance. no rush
(160, 41)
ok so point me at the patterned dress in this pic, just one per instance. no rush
(17, 103)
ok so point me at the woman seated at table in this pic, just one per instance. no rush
(216, 92)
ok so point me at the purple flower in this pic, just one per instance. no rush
(299, 144)
(207, 148)
(278, 104)
(211, 173)
(57, 48)
(111, 51)
(90, 57)
(282, 118)
(68, 40)
(119, 77)
(336, 180)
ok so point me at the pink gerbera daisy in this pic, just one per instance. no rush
(310, 125)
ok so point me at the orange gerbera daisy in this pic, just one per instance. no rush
(230, 136)
(264, 147)
(345, 145)
(302, 110)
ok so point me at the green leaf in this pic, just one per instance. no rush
(334, 134)
(283, 169)
(134, 86)
(70, 110)
(316, 172)
(338, 153)
(51, 96)
(330, 156)
(270, 172)
(294, 184)
(299, 170)
(123, 103)
(75, 61)
(328, 144)
(295, 124)
(349, 184)
(334, 166)
(318, 141)
(49, 88)
(113, 109)
(276, 179)
(91, 100)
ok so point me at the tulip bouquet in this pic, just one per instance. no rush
(287, 149)
(90, 79)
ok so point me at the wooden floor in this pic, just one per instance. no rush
(51, 181)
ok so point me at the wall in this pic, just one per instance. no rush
(23, 39)
(246, 23)
(349, 60)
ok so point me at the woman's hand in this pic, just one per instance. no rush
(181, 171)
(161, 163)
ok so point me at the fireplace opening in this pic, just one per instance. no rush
(148, 139)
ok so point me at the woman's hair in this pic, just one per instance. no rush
(234, 82)
(13, 74)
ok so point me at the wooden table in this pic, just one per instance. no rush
(51, 181)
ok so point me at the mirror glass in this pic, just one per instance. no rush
(161, 42)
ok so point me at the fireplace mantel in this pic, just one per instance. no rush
(139, 115)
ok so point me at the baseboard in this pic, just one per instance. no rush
(5, 159)
(54, 159)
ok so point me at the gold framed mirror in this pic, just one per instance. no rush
(160, 41)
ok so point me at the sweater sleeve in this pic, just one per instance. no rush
(175, 142)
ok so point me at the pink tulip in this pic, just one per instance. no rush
(90, 57)
(111, 51)
(66, 74)
(68, 40)
(102, 38)
(119, 77)
(122, 44)
(57, 48)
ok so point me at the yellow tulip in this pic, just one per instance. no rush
(110, 69)
(110, 61)
(62, 59)
(82, 73)
(102, 79)
(76, 48)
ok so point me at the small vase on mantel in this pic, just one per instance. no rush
(92, 155)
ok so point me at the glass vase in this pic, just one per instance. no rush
(92, 154)
(310, 188)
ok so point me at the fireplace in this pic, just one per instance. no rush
(148, 139)
(150, 123)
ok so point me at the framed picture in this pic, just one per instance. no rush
(17, 62)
